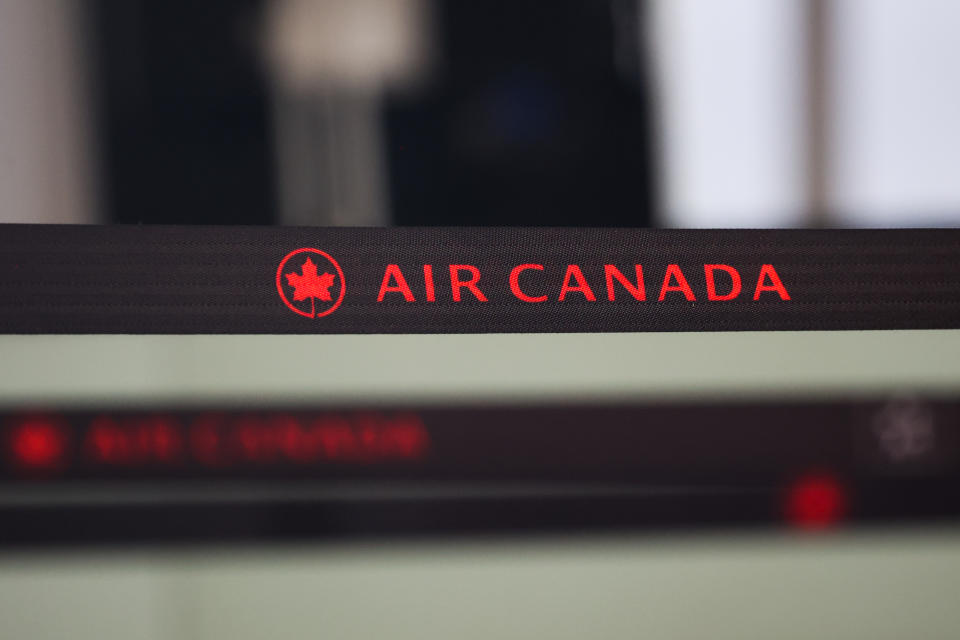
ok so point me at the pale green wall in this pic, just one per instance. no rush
(874, 587)
(121, 368)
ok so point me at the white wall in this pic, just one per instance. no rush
(896, 104)
(729, 78)
(732, 77)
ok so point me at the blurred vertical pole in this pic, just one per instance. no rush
(330, 164)
(331, 61)
(46, 143)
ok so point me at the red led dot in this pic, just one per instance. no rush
(38, 444)
(816, 501)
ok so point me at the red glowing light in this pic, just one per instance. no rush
(218, 440)
(228, 440)
(38, 443)
(134, 440)
(815, 502)
(258, 439)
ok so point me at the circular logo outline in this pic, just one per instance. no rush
(283, 296)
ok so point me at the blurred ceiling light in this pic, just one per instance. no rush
(351, 43)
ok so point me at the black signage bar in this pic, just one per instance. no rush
(172, 474)
(91, 279)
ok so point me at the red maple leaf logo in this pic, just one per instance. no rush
(310, 285)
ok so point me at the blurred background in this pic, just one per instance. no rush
(603, 569)
(676, 113)
(669, 113)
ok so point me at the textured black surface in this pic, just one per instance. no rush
(160, 279)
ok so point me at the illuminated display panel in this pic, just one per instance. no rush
(425, 435)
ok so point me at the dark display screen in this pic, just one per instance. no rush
(434, 470)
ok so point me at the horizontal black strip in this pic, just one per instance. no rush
(298, 473)
(90, 279)
(729, 443)
(663, 442)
